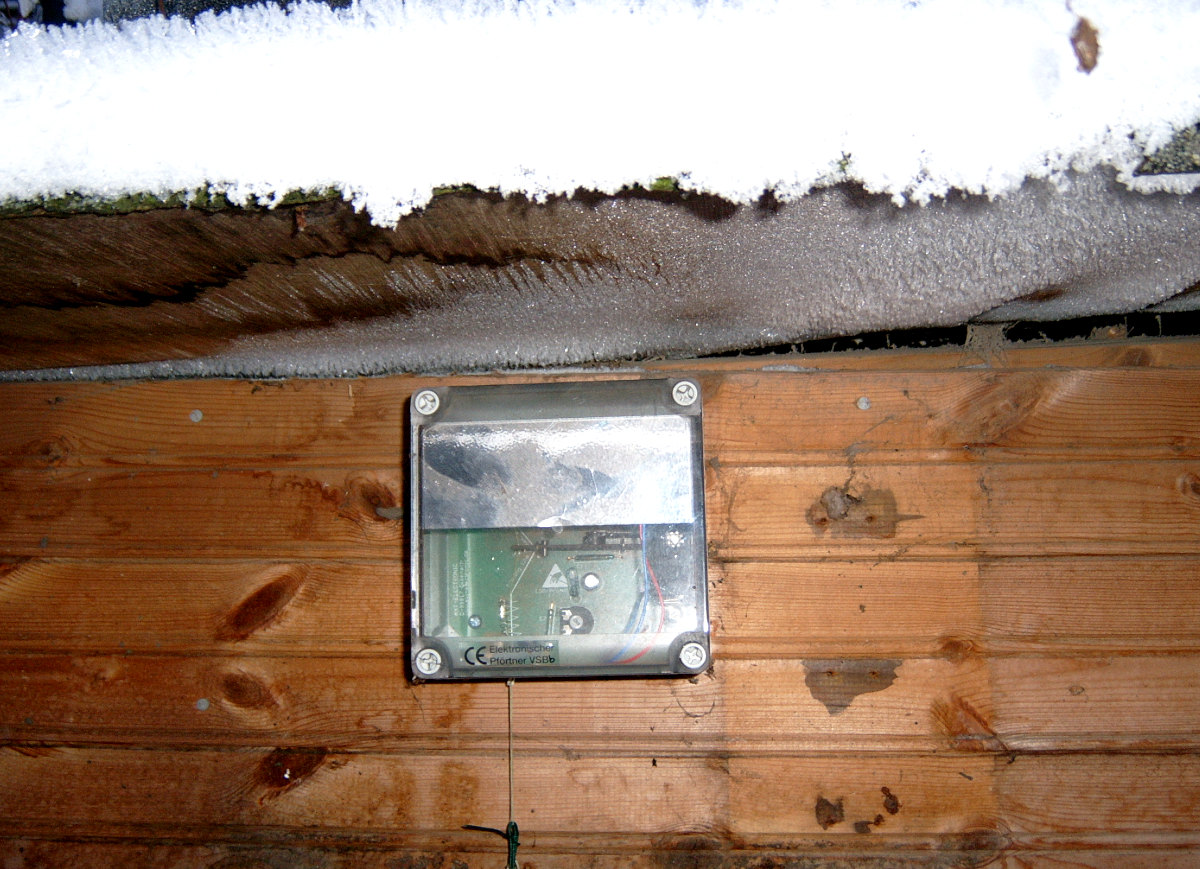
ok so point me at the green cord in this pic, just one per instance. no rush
(510, 834)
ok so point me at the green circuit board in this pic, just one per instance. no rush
(528, 582)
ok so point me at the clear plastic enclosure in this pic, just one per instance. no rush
(558, 531)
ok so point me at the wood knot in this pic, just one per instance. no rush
(982, 843)
(284, 768)
(1189, 486)
(242, 689)
(1136, 357)
(11, 564)
(958, 649)
(372, 505)
(55, 452)
(260, 608)
(965, 727)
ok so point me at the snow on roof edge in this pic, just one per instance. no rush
(388, 101)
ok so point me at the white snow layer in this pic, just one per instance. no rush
(387, 100)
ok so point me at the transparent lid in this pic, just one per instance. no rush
(558, 531)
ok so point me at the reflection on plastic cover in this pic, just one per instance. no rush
(616, 470)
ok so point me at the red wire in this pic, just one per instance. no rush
(662, 612)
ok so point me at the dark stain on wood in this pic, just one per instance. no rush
(246, 691)
(284, 768)
(964, 726)
(871, 514)
(891, 803)
(837, 682)
(1085, 39)
(830, 812)
(260, 608)
(865, 826)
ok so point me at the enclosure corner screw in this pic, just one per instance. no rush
(427, 402)
(428, 661)
(692, 656)
(685, 393)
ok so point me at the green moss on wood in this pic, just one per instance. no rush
(202, 199)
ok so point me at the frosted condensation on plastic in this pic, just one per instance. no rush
(625, 470)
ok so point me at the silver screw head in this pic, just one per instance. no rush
(685, 393)
(475, 621)
(427, 402)
(428, 661)
(693, 655)
(863, 403)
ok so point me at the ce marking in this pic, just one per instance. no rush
(477, 653)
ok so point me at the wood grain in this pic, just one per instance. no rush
(339, 794)
(815, 705)
(1008, 510)
(979, 593)
(155, 512)
(752, 417)
(1126, 508)
(606, 851)
(892, 608)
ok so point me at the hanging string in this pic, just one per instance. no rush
(510, 834)
(510, 755)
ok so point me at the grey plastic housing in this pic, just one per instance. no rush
(557, 531)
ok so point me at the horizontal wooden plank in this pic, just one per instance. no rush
(1062, 794)
(973, 415)
(197, 791)
(193, 513)
(903, 608)
(964, 415)
(754, 513)
(814, 705)
(607, 851)
(200, 793)
(200, 607)
(207, 422)
(954, 511)
(759, 610)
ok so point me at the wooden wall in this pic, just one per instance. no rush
(956, 611)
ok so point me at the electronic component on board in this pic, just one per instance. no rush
(558, 531)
